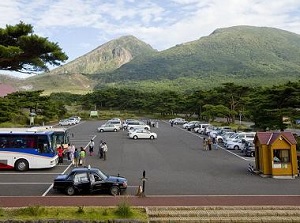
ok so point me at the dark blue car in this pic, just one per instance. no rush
(89, 180)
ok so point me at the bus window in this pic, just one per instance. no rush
(42, 143)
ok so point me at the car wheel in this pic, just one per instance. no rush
(176, 123)
(252, 154)
(70, 190)
(135, 137)
(22, 165)
(151, 137)
(101, 130)
(236, 147)
(147, 128)
(115, 130)
(114, 190)
(220, 140)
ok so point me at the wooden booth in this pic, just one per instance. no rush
(276, 155)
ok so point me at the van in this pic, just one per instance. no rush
(116, 122)
(136, 124)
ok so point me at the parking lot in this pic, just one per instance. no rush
(175, 164)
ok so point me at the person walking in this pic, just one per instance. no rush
(82, 156)
(91, 147)
(105, 149)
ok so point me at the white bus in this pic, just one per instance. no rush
(24, 149)
(62, 137)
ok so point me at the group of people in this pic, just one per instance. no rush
(102, 149)
(209, 142)
(77, 157)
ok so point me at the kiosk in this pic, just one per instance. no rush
(276, 155)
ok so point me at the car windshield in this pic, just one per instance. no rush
(102, 175)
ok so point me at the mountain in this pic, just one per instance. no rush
(246, 55)
(241, 54)
(76, 76)
(107, 57)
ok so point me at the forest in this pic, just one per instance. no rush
(266, 107)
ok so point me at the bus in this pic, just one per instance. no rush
(23, 149)
(61, 135)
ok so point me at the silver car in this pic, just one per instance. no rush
(108, 128)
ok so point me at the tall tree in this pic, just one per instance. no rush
(23, 51)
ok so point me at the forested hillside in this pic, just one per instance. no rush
(242, 54)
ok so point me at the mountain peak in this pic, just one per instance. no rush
(107, 57)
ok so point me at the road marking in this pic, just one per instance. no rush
(28, 173)
(24, 183)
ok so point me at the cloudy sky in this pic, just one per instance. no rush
(79, 26)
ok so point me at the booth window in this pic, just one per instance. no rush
(281, 156)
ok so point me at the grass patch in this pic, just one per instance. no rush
(122, 211)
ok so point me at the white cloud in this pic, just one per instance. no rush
(162, 24)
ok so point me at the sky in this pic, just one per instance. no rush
(79, 26)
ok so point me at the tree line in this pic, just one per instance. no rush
(266, 107)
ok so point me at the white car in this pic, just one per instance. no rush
(201, 128)
(178, 121)
(186, 125)
(235, 144)
(136, 123)
(74, 119)
(108, 128)
(142, 134)
(65, 122)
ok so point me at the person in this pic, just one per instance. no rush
(76, 157)
(209, 142)
(172, 123)
(82, 156)
(68, 151)
(214, 142)
(60, 153)
(204, 144)
(105, 148)
(100, 153)
(91, 147)
(72, 151)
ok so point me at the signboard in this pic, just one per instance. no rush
(94, 114)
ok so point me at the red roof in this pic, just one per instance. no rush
(6, 89)
(268, 138)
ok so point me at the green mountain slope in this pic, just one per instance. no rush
(76, 76)
(239, 54)
(107, 57)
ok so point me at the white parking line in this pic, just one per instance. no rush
(25, 183)
(197, 134)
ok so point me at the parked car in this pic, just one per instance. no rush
(249, 149)
(224, 135)
(178, 121)
(135, 123)
(108, 128)
(116, 121)
(201, 128)
(74, 119)
(89, 180)
(187, 125)
(142, 134)
(66, 122)
(235, 144)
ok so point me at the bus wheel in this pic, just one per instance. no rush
(22, 165)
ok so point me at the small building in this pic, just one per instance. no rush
(276, 155)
